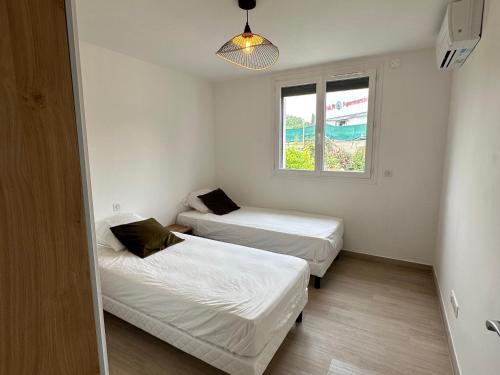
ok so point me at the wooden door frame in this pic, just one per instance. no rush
(74, 50)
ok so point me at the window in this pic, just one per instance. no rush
(346, 123)
(326, 125)
(298, 105)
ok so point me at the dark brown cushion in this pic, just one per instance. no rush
(146, 237)
(218, 202)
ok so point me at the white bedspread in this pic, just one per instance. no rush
(307, 236)
(228, 295)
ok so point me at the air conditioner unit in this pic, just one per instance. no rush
(460, 33)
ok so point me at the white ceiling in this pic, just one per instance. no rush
(185, 34)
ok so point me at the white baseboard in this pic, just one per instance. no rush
(451, 346)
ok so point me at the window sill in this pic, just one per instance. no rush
(348, 177)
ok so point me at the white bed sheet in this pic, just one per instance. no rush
(233, 297)
(231, 363)
(310, 237)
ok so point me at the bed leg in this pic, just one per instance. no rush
(317, 282)
(299, 318)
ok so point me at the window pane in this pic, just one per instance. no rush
(346, 119)
(299, 123)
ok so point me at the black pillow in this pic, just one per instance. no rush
(146, 237)
(218, 202)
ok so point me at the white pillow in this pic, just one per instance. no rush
(104, 235)
(194, 202)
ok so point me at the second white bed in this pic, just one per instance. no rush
(315, 238)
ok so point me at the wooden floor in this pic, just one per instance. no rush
(368, 318)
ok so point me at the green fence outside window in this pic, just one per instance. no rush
(337, 133)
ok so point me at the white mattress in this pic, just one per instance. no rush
(233, 297)
(315, 238)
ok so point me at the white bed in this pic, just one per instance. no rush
(317, 239)
(228, 305)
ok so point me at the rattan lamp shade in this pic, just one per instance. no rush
(251, 51)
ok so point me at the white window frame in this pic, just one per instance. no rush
(320, 80)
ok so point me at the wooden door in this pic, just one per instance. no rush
(47, 320)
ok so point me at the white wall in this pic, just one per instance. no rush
(468, 249)
(150, 133)
(395, 217)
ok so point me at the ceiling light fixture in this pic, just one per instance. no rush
(249, 50)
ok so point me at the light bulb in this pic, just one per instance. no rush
(247, 42)
(248, 46)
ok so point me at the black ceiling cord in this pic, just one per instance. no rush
(247, 28)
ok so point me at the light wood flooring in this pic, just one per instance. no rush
(368, 318)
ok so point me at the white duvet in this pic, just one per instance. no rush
(307, 236)
(228, 295)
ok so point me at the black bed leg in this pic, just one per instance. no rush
(317, 282)
(299, 318)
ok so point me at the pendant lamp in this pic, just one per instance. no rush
(249, 50)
